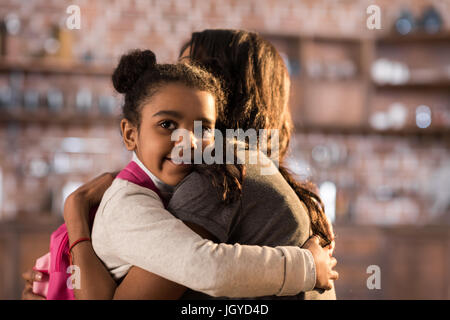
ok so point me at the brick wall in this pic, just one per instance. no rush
(163, 25)
(380, 174)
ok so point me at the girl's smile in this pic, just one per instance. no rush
(178, 165)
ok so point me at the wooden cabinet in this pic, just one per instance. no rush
(21, 243)
(414, 261)
(334, 87)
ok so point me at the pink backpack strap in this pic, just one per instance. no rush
(133, 173)
(57, 262)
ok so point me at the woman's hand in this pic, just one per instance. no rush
(30, 276)
(325, 263)
(332, 245)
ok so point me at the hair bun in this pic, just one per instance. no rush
(130, 69)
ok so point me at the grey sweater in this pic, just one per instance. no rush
(133, 228)
(269, 214)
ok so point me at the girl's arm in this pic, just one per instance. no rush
(134, 229)
(139, 284)
(96, 281)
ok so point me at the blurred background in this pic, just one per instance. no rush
(371, 109)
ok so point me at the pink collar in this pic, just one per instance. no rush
(134, 174)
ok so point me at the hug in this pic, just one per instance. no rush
(161, 229)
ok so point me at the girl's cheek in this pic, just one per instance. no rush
(208, 137)
(207, 142)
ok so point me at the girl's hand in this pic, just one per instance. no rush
(78, 204)
(92, 191)
(324, 263)
(88, 195)
(30, 276)
(332, 245)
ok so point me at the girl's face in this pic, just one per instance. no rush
(173, 106)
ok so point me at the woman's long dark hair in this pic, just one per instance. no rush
(257, 83)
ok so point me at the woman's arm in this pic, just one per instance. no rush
(139, 284)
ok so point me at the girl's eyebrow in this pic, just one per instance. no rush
(172, 113)
(178, 115)
(207, 121)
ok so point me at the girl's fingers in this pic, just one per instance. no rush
(27, 293)
(37, 276)
(27, 275)
(93, 190)
(334, 275)
(333, 262)
(32, 275)
(97, 187)
(332, 246)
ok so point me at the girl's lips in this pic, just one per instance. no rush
(178, 164)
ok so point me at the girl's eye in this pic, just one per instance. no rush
(208, 133)
(169, 125)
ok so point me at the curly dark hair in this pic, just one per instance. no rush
(139, 77)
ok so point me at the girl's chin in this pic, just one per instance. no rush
(173, 173)
(174, 179)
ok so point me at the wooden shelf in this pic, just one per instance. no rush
(53, 66)
(394, 39)
(356, 79)
(40, 221)
(320, 38)
(365, 50)
(367, 130)
(61, 119)
(327, 38)
(444, 84)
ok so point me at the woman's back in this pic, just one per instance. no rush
(269, 213)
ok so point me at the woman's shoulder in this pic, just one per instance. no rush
(275, 202)
(265, 173)
(261, 177)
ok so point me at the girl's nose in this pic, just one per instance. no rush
(194, 141)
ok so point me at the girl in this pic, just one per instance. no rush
(232, 54)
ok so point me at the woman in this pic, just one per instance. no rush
(258, 86)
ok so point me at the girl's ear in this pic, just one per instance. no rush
(129, 134)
